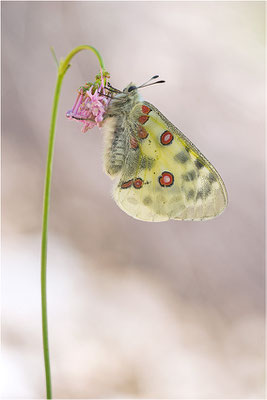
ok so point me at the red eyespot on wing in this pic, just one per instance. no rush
(142, 133)
(146, 110)
(126, 185)
(143, 119)
(133, 142)
(166, 138)
(166, 179)
(138, 183)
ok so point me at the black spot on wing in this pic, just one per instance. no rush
(147, 201)
(206, 189)
(190, 195)
(181, 157)
(198, 164)
(199, 195)
(211, 178)
(189, 176)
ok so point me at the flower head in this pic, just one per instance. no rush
(91, 103)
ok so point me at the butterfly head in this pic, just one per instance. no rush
(124, 100)
(129, 93)
(128, 97)
(130, 89)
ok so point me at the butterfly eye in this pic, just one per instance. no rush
(131, 88)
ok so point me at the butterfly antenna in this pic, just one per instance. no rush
(153, 77)
(150, 84)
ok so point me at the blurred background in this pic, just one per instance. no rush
(136, 309)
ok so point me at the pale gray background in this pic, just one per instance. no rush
(136, 309)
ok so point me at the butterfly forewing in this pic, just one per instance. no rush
(164, 175)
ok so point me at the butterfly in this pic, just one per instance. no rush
(159, 172)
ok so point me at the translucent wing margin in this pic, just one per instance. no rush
(164, 175)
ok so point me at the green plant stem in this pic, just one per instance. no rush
(62, 69)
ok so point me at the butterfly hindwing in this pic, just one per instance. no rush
(164, 175)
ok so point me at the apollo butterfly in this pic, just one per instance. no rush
(160, 174)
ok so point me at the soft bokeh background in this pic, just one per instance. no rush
(140, 310)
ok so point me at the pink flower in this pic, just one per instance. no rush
(91, 103)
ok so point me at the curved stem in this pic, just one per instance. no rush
(62, 69)
(65, 64)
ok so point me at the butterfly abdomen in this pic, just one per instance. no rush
(116, 146)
